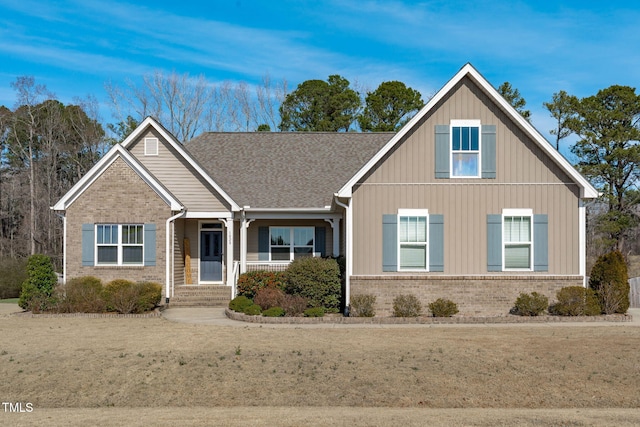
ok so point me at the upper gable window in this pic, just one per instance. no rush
(151, 146)
(465, 148)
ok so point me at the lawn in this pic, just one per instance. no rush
(151, 371)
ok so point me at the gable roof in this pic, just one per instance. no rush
(149, 121)
(280, 170)
(586, 189)
(116, 152)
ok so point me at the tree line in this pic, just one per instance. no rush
(48, 146)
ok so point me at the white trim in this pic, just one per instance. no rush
(149, 121)
(413, 212)
(582, 241)
(119, 245)
(292, 215)
(103, 164)
(220, 230)
(229, 254)
(465, 123)
(208, 215)
(586, 189)
(292, 246)
(517, 212)
(470, 124)
(424, 213)
(147, 147)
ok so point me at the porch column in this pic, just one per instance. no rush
(229, 227)
(243, 242)
(335, 226)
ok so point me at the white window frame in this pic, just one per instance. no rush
(523, 213)
(465, 123)
(423, 213)
(148, 147)
(292, 246)
(119, 245)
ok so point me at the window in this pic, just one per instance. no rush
(289, 243)
(517, 240)
(118, 244)
(465, 148)
(412, 239)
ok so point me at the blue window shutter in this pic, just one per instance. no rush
(494, 242)
(389, 243)
(436, 242)
(263, 243)
(321, 241)
(489, 151)
(442, 151)
(88, 244)
(149, 244)
(540, 243)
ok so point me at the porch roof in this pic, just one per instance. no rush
(279, 170)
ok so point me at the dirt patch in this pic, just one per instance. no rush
(81, 363)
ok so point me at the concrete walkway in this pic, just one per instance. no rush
(216, 316)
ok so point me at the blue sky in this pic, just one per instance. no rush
(541, 47)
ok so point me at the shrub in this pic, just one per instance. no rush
(314, 312)
(443, 308)
(575, 301)
(83, 295)
(363, 305)
(13, 272)
(37, 290)
(406, 306)
(252, 310)
(149, 296)
(609, 279)
(316, 279)
(533, 304)
(251, 282)
(294, 305)
(273, 312)
(269, 297)
(239, 303)
(121, 296)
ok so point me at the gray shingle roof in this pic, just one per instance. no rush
(284, 169)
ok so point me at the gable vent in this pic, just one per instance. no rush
(151, 146)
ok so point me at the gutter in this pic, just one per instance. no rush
(168, 259)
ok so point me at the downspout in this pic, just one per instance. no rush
(167, 254)
(348, 250)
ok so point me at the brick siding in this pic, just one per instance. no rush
(475, 296)
(118, 196)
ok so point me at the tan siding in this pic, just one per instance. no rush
(191, 233)
(178, 252)
(178, 176)
(526, 178)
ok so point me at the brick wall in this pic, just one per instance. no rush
(118, 196)
(475, 296)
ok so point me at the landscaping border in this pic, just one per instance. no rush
(150, 314)
(510, 318)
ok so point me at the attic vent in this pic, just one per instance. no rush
(151, 146)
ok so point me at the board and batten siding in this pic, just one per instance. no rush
(526, 178)
(178, 176)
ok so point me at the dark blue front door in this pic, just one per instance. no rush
(211, 256)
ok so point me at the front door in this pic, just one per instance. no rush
(211, 256)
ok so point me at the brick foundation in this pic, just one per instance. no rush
(474, 295)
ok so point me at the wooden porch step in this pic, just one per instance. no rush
(201, 296)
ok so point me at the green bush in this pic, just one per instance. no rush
(316, 279)
(610, 280)
(406, 306)
(121, 296)
(252, 310)
(83, 295)
(363, 305)
(575, 301)
(314, 312)
(533, 304)
(38, 289)
(239, 303)
(269, 297)
(294, 305)
(443, 308)
(273, 312)
(149, 296)
(13, 272)
(251, 282)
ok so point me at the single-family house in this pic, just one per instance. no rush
(468, 201)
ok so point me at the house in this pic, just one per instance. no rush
(466, 202)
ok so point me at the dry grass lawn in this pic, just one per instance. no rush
(81, 371)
